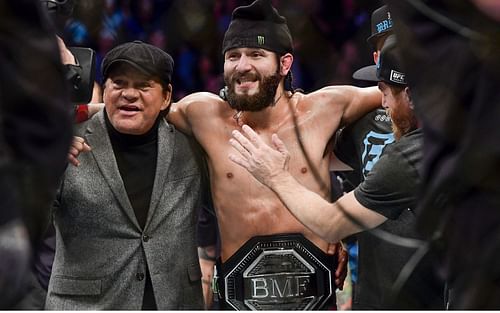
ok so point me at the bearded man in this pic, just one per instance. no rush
(257, 50)
(388, 192)
(269, 260)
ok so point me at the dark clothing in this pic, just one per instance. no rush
(391, 190)
(35, 115)
(44, 257)
(94, 219)
(35, 134)
(390, 186)
(361, 144)
(136, 157)
(208, 228)
(380, 263)
(148, 301)
(457, 99)
(34, 296)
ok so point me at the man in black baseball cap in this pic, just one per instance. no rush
(372, 137)
(388, 69)
(360, 145)
(380, 261)
(391, 80)
(382, 24)
(133, 197)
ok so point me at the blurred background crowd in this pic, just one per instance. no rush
(329, 36)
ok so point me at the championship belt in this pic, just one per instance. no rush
(277, 272)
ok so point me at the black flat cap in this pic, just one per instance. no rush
(147, 58)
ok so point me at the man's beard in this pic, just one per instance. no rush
(257, 102)
(403, 122)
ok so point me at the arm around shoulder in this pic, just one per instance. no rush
(191, 109)
(354, 101)
(359, 102)
(94, 108)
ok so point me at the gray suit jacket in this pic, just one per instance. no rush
(102, 253)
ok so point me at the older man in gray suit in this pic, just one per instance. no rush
(125, 218)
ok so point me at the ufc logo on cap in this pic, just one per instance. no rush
(397, 77)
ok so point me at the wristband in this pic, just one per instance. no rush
(81, 113)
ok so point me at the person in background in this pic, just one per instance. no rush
(450, 50)
(360, 145)
(35, 134)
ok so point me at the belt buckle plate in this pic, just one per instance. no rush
(285, 272)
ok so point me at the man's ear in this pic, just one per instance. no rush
(167, 97)
(407, 95)
(376, 55)
(286, 62)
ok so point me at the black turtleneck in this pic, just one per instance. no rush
(136, 158)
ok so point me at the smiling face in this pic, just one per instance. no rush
(252, 76)
(133, 99)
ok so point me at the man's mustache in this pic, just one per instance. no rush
(246, 76)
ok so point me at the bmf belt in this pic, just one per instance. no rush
(278, 272)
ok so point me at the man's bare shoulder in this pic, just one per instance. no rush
(197, 111)
(197, 99)
(205, 103)
(326, 100)
(341, 97)
(332, 94)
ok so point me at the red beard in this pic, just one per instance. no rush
(403, 120)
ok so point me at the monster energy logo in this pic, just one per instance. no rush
(260, 40)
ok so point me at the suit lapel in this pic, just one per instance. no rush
(102, 151)
(166, 148)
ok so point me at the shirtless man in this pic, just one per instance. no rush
(389, 193)
(258, 57)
